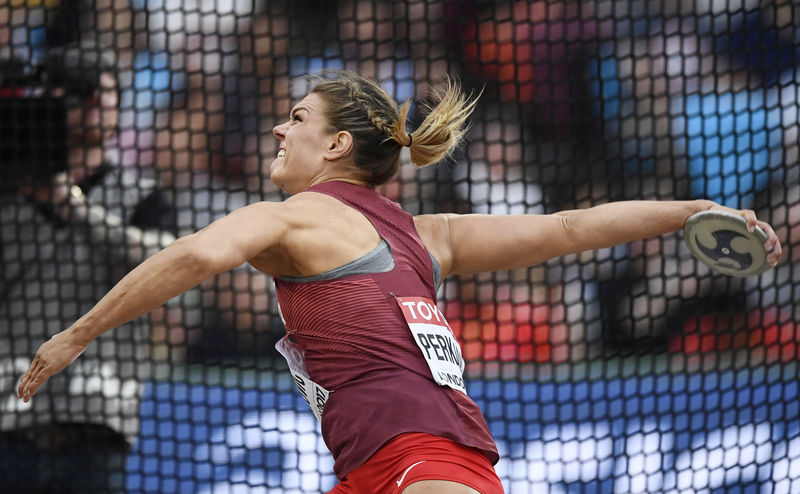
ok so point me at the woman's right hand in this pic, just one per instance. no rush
(53, 356)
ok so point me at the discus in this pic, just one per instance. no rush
(721, 240)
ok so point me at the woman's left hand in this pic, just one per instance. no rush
(772, 245)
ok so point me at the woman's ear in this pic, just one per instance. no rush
(341, 146)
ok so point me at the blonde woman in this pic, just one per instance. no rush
(356, 281)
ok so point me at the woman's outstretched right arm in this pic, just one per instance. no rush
(221, 246)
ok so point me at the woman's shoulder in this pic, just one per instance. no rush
(299, 210)
(315, 204)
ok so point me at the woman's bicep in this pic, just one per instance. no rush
(243, 234)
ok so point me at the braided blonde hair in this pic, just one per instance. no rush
(365, 110)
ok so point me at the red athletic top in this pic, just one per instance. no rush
(350, 337)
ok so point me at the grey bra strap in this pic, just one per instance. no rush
(378, 260)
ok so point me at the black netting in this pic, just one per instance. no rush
(629, 369)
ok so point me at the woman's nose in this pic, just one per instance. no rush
(278, 131)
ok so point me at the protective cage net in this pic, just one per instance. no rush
(628, 369)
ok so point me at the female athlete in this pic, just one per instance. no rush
(356, 280)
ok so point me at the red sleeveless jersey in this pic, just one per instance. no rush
(354, 356)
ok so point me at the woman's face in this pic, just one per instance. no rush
(303, 142)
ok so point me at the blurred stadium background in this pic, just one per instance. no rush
(632, 369)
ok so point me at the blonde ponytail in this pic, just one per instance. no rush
(442, 130)
(365, 110)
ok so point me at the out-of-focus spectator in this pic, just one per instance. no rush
(532, 51)
(206, 88)
(72, 224)
(759, 38)
(517, 316)
(525, 157)
(644, 103)
(198, 105)
(692, 120)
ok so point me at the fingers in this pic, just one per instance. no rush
(54, 354)
(750, 217)
(772, 245)
(24, 383)
(31, 380)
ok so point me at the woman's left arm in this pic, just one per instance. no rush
(476, 243)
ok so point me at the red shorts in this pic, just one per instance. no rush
(412, 457)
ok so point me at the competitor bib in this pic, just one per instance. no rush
(314, 394)
(435, 339)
